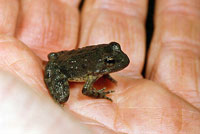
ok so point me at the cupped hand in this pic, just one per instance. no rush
(167, 101)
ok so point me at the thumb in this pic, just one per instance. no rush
(24, 110)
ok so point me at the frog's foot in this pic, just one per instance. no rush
(97, 93)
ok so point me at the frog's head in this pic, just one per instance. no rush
(114, 59)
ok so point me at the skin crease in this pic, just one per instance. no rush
(167, 103)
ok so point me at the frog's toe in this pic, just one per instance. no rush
(108, 98)
(101, 90)
(110, 91)
(103, 94)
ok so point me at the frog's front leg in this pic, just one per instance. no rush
(89, 90)
(107, 76)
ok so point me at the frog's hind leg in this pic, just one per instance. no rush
(89, 90)
(57, 84)
(59, 89)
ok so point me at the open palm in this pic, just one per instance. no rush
(166, 102)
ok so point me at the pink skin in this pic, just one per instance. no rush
(167, 103)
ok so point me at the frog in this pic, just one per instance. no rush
(86, 64)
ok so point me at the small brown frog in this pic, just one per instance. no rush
(85, 64)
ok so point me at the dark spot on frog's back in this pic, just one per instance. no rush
(84, 64)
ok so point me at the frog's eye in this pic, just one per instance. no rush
(52, 56)
(115, 46)
(109, 61)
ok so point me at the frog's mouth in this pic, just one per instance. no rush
(123, 63)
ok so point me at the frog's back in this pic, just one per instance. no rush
(78, 64)
(84, 50)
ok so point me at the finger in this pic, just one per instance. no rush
(174, 55)
(17, 58)
(121, 21)
(25, 111)
(8, 16)
(46, 25)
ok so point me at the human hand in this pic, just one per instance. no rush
(139, 105)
